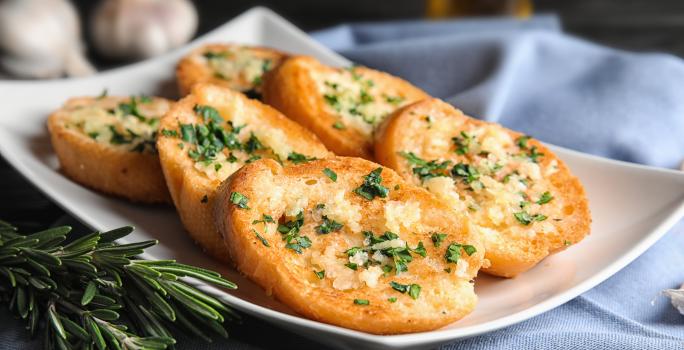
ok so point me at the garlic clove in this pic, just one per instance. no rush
(129, 29)
(38, 38)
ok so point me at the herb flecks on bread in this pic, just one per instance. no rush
(210, 134)
(355, 248)
(343, 106)
(238, 67)
(108, 143)
(522, 198)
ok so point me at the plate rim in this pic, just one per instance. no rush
(401, 340)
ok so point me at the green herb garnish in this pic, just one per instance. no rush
(298, 158)
(239, 199)
(453, 252)
(424, 169)
(463, 143)
(361, 302)
(208, 113)
(261, 238)
(545, 198)
(525, 218)
(320, 274)
(328, 226)
(371, 186)
(437, 238)
(290, 231)
(330, 174)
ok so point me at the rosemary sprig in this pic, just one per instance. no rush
(92, 293)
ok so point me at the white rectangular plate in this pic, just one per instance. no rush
(632, 205)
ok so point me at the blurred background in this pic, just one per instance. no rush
(638, 25)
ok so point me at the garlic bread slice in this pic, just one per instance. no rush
(348, 242)
(342, 106)
(108, 144)
(211, 133)
(234, 66)
(523, 199)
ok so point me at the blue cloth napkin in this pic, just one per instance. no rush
(529, 76)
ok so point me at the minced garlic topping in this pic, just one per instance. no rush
(500, 182)
(238, 64)
(131, 125)
(356, 99)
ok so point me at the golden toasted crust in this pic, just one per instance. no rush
(294, 89)
(426, 128)
(103, 166)
(275, 190)
(195, 68)
(193, 190)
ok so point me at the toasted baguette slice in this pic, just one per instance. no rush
(236, 130)
(108, 144)
(234, 66)
(341, 106)
(524, 199)
(310, 236)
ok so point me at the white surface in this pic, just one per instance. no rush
(632, 205)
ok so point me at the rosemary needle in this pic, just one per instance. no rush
(93, 293)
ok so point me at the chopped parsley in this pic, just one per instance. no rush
(545, 198)
(239, 200)
(352, 266)
(210, 55)
(525, 218)
(438, 238)
(208, 113)
(453, 252)
(290, 232)
(424, 169)
(265, 219)
(320, 274)
(261, 238)
(371, 186)
(298, 158)
(170, 133)
(392, 300)
(339, 126)
(413, 290)
(465, 171)
(395, 100)
(534, 155)
(253, 144)
(330, 174)
(522, 141)
(420, 249)
(463, 143)
(328, 226)
(333, 101)
(131, 108)
(567, 243)
(361, 302)
(401, 288)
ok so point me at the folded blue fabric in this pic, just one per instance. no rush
(531, 77)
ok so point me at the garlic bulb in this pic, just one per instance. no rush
(142, 28)
(676, 297)
(40, 39)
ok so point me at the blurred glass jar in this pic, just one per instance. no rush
(462, 8)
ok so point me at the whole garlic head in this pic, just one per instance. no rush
(41, 39)
(131, 29)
